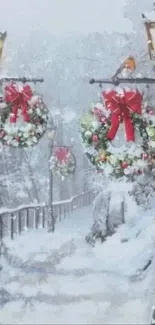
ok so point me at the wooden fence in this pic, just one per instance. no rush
(15, 221)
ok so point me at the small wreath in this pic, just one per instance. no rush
(23, 116)
(62, 162)
(99, 127)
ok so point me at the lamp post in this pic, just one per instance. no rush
(51, 219)
(2, 40)
(149, 23)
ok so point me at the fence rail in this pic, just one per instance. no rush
(15, 221)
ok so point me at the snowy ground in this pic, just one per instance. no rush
(59, 279)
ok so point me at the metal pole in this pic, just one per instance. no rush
(51, 218)
(116, 81)
(21, 79)
(51, 221)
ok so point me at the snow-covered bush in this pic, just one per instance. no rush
(108, 209)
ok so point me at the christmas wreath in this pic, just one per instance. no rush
(23, 116)
(62, 162)
(100, 126)
(150, 129)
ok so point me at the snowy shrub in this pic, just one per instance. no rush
(107, 216)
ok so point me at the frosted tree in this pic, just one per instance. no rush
(66, 67)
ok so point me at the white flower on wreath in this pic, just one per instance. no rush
(2, 105)
(113, 160)
(99, 106)
(95, 125)
(38, 111)
(141, 163)
(39, 128)
(14, 143)
(150, 131)
(28, 127)
(26, 135)
(128, 170)
(34, 139)
(138, 152)
(30, 110)
(45, 117)
(121, 156)
(33, 100)
(135, 152)
(29, 142)
(88, 134)
(6, 138)
(107, 113)
(152, 144)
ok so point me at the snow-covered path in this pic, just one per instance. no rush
(59, 279)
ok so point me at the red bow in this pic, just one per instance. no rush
(19, 100)
(121, 106)
(62, 154)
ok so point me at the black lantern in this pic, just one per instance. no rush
(149, 22)
(2, 40)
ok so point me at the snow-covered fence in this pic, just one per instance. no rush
(15, 221)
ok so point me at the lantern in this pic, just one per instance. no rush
(149, 22)
(2, 40)
(50, 135)
(51, 128)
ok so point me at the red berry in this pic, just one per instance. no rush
(124, 165)
(18, 138)
(152, 112)
(145, 156)
(95, 138)
(2, 133)
(103, 119)
(97, 112)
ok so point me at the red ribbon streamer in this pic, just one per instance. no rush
(19, 100)
(121, 106)
(62, 155)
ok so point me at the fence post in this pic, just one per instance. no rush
(123, 211)
(60, 210)
(1, 227)
(19, 223)
(12, 226)
(27, 218)
(37, 217)
(43, 217)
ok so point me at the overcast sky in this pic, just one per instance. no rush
(64, 16)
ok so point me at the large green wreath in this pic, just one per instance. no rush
(94, 128)
(28, 134)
